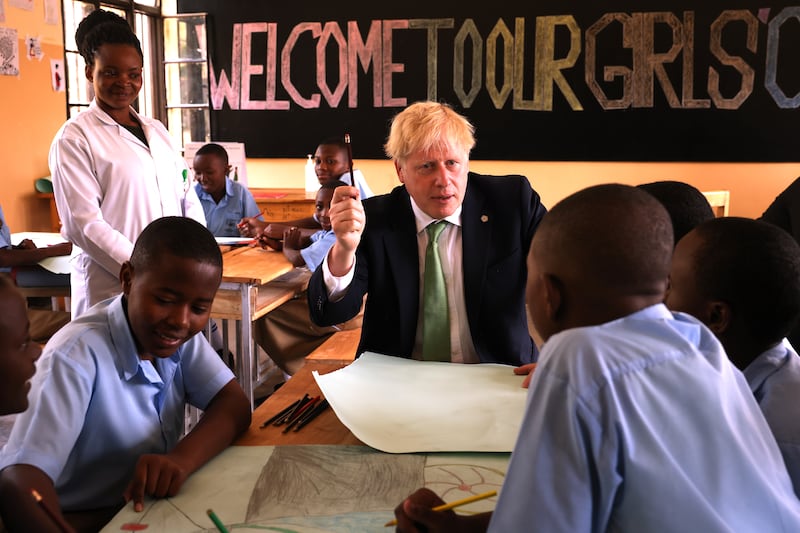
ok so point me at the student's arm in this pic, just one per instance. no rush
(293, 242)
(11, 257)
(415, 515)
(19, 510)
(225, 418)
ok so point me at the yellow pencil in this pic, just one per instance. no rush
(453, 505)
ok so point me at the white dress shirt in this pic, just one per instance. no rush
(462, 349)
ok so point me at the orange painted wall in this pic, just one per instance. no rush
(31, 114)
(753, 185)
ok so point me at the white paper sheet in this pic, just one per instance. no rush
(401, 406)
(56, 265)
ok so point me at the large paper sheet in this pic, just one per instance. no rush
(401, 406)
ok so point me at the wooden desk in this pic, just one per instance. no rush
(280, 205)
(325, 429)
(254, 282)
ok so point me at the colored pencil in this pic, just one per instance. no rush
(457, 503)
(350, 159)
(281, 414)
(299, 414)
(217, 522)
(282, 420)
(312, 414)
(55, 517)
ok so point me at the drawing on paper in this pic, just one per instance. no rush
(314, 489)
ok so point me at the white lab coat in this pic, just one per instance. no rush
(108, 186)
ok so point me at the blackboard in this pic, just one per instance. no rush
(543, 81)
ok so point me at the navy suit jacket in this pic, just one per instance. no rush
(499, 216)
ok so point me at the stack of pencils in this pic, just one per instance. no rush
(298, 414)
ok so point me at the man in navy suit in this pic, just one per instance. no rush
(381, 246)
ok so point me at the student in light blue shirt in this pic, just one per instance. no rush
(287, 334)
(225, 202)
(107, 403)
(331, 163)
(636, 420)
(741, 278)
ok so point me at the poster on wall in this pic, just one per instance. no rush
(9, 52)
(560, 80)
(52, 9)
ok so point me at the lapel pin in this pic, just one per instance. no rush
(484, 218)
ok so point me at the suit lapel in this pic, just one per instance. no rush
(403, 257)
(476, 236)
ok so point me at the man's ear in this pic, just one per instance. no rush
(126, 277)
(399, 170)
(88, 70)
(553, 297)
(718, 316)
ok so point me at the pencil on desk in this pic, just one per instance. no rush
(55, 517)
(305, 399)
(281, 414)
(312, 414)
(453, 505)
(299, 414)
(217, 522)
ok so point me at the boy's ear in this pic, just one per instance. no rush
(228, 169)
(88, 70)
(718, 316)
(553, 296)
(126, 277)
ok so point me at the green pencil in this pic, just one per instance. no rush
(217, 522)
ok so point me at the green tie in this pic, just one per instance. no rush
(435, 318)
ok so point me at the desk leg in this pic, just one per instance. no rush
(244, 362)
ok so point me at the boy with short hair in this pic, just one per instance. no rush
(741, 278)
(331, 164)
(18, 353)
(128, 366)
(225, 202)
(686, 205)
(287, 334)
(636, 420)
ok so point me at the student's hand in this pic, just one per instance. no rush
(26, 244)
(347, 221)
(415, 514)
(62, 248)
(251, 226)
(527, 371)
(292, 239)
(156, 475)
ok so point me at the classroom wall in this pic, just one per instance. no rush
(31, 114)
(753, 185)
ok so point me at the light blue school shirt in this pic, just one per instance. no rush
(643, 424)
(222, 218)
(95, 407)
(314, 253)
(774, 378)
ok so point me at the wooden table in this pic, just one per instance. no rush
(335, 353)
(279, 205)
(254, 282)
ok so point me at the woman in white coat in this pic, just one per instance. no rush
(114, 171)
